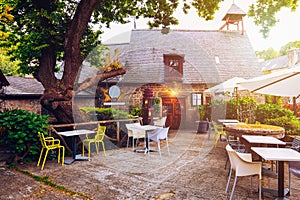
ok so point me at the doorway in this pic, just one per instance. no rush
(173, 108)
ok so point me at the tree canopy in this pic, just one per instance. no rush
(271, 53)
(43, 32)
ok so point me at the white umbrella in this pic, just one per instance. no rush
(281, 83)
(226, 86)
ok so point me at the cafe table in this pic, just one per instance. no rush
(73, 134)
(146, 129)
(239, 129)
(281, 155)
(260, 140)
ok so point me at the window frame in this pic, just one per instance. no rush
(196, 99)
(167, 59)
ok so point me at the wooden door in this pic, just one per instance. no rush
(173, 110)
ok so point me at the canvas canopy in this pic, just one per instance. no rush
(282, 83)
(227, 86)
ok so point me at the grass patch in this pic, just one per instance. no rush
(46, 181)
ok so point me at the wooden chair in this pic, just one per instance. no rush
(49, 143)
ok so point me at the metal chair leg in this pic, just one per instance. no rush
(233, 187)
(228, 182)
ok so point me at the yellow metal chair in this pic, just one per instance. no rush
(49, 143)
(219, 131)
(99, 137)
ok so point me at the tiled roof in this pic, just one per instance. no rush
(209, 56)
(234, 10)
(22, 86)
(276, 63)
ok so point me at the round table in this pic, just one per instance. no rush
(239, 129)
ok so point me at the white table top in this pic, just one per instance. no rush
(145, 127)
(228, 121)
(75, 132)
(260, 139)
(279, 154)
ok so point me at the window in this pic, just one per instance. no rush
(173, 65)
(196, 99)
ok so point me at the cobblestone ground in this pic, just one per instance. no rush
(193, 170)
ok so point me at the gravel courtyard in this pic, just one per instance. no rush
(193, 170)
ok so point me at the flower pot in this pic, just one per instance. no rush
(202, 127)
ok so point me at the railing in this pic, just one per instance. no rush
(74, 126)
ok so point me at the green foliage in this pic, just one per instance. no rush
(228, 109)
(39, 26)
(264, 12)
(206, 9)
(107, 113)
(270, 99)
(246, 107)
(156, 105)
(45, 180)
(202, 112)
(284, 49)
(21, 131)
(42, 27)
(274, 114)
(291, 126)
(268, 54)
(272, 111)
(135, 111)
(94, 57)
(8, 67)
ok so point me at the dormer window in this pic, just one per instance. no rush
(173, 66)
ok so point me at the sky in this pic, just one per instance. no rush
(286, 30)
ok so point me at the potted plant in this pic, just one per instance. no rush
(203, 123)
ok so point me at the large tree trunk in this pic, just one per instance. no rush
(58, 94)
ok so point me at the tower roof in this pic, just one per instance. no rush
(234, 13)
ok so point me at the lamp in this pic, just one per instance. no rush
(147, 106)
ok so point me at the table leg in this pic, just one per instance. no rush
(280, 179)
(74, 147)
(70, 161)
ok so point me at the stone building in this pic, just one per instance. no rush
(180, 65)
(21, 93)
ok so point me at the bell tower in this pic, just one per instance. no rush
(234, 16)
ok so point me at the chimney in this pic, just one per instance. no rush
(293, 56)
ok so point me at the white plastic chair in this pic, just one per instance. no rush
(157, 135)
(134, 133)
(242, 164)
(160, 122)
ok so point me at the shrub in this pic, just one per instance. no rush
(228, 109)
(274, 114)
(107, 113)
(135, 111)
(20, 131)
(265, 112)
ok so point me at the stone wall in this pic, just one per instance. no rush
(31, 105)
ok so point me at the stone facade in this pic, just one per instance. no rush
(31, 105)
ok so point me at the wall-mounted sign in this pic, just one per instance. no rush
(114, 92)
